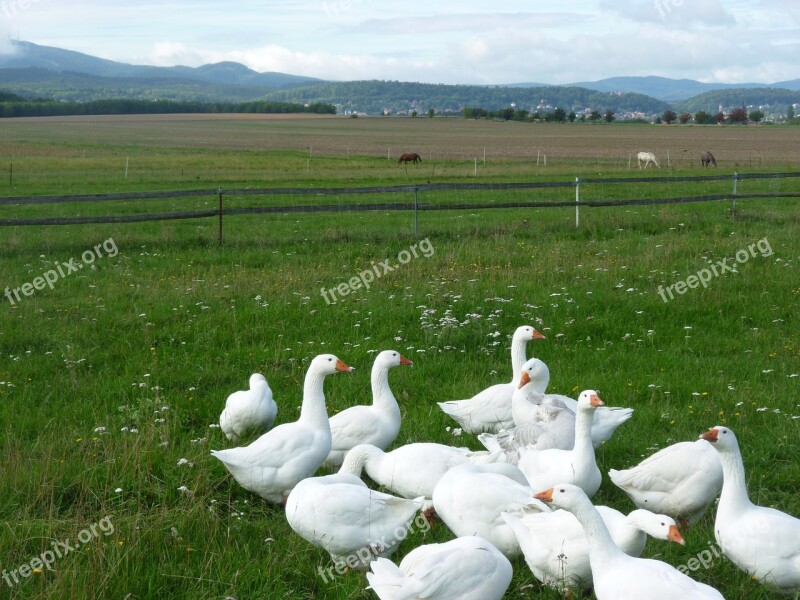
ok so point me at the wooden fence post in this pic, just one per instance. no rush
(416, 213)
(219, 237)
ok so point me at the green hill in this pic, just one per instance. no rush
(375, 97)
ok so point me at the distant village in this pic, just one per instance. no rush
(544, 111)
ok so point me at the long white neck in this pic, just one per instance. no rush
(313, 409)
(518, 356)
(601, 545)
(583, 432)
(733, 497)
(632, 537)
(382, 397)
(356, 459)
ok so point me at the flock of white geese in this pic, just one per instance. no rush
(527, 494)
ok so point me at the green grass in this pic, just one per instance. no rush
(174, 320)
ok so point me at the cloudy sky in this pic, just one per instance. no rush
(437, 41)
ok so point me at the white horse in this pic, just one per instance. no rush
(647, 158)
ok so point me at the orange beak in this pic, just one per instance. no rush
(405, 361)
(524, 380)
(538, 336)
(594, 400)
(343, 368)
(712, 435)
(675, 535)
(545, 496)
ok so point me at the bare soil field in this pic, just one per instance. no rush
(440, 138)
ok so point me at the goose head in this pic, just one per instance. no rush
(328, 364)
(589, 400)
(391, 358)
(721, 438)
(660, 527)
(527, 333)
(536, 373)
(564, 495)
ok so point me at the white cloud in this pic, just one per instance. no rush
(673, 13)
(445, 42)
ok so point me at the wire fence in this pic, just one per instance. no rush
(588, 193)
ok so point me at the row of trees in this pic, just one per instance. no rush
(738, 116)
(558, 115)
(15, 106)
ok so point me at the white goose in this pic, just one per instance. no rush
(412, 470)
(541, 422)
(248, 411)
(557, 552)
(606, 420)
(545, 468)
(377, 424)
(353, 523)
(274, 463)
(528, 398)
(617, 576)
(466, 568)
(555, 429)
(469, 499)
(762, 541)
(490, 410)
(680, 480)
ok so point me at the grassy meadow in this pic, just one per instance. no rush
(112, 380)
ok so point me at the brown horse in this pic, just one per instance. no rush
(708, 159)
(411, 157)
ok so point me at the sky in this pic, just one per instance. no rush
(442, 41)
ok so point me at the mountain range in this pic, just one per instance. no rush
(34, 70)
(27, 55)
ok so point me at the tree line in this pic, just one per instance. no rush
(12, 105)
(557, 115)
(737, 116)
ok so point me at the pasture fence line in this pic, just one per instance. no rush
(410, 190)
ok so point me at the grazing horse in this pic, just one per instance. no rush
(647, 158)
(706, 158)
(411, 157)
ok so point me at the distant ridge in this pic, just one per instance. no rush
(664, 88)
(29, 55)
